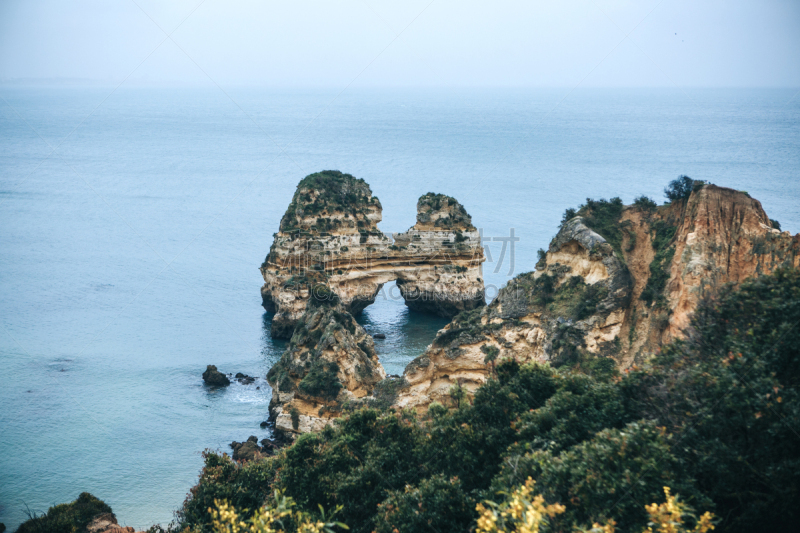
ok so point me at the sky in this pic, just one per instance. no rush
(447, 43)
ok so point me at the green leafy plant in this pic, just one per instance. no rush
(679, 188)
(66, 517)
(643, 202)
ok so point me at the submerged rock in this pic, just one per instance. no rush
(329, 242)
(379, 336)
(244, 379)
(215, 378)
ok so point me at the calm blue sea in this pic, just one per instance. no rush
(129, 256)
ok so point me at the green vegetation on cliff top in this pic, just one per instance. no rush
(715, 417)
(327, 193)
(458, 216)
(603, 217)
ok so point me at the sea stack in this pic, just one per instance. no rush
(329, 241)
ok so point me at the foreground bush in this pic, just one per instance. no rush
(66, 517)
(716, 417)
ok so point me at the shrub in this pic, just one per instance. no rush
(643, 202)
(521, 512)
(603, 216)
(322, 380)
(491, 352)
(541, 260)
(355, 465)
(281, 514)
(587, 303)
(66, 517)
(606, 477)
(568, 215)
(571, 416)
(775, 224)
(679, 189)
(436, 504)
(245, 486)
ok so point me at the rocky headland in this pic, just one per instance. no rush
(615, 284)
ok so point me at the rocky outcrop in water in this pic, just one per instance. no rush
(215, 378)
(329, 362)
(615, 283)
(329, 241)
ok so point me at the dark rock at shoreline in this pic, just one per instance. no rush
(271, 446)
(264, 424)
(379, 336)
(215, 378)
(246, 451)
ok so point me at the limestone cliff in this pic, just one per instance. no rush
(615, 283)
(577, 300)
(330, 360)
(329, 240)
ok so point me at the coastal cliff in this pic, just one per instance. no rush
(329, 241)
(614, 285)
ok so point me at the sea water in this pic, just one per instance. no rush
(133, 223)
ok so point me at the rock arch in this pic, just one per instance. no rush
(329, 246)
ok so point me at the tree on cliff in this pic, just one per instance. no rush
(679, 188)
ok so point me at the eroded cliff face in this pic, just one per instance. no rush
(329, 362)
(615, 284)
(576, 301)
(329, 240)
(679, 253)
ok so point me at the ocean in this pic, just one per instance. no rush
(133, 223)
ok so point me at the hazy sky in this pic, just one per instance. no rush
(404, 43)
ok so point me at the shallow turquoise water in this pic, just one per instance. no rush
(129, 257)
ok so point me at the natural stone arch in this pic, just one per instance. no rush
(329, 243)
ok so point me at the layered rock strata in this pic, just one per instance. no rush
(615, 283)
(329, 362)
(577, 300)
(329, 241)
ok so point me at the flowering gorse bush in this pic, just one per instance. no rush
(522, 512)
(670, 517)
(280, 517)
